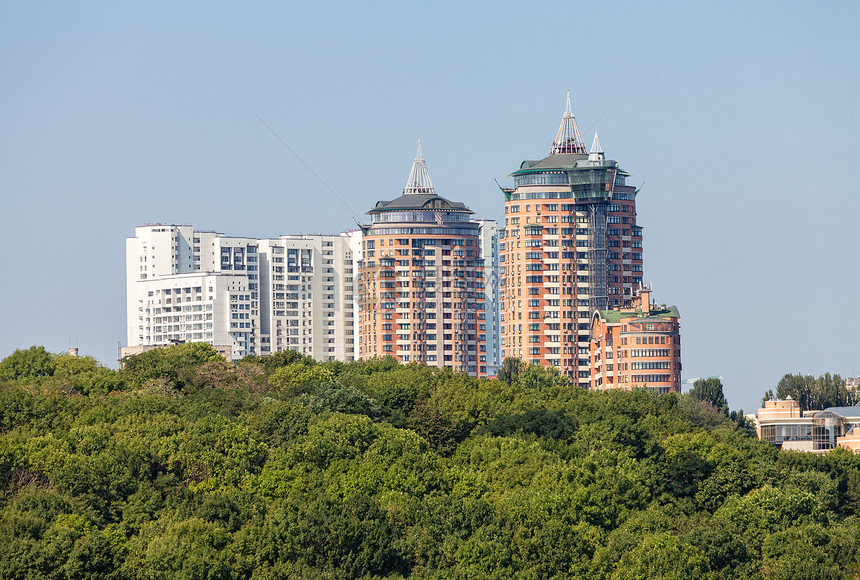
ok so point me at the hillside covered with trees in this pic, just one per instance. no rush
(183, 466)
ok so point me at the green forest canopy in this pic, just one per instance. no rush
(183, 466)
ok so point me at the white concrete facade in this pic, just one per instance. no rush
(255, 296)
(490, 254)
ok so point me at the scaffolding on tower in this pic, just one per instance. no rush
(598, 217)
(597, 263)
(419, 177)
(568, 139)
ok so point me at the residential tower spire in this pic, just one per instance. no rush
(419, 178)
(596, 153)
(568, 139)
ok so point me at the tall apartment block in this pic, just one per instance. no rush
(423, 280)
(490, 257)
(636, 346)
(570, 246)
(244, 296)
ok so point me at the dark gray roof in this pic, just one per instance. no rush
(566, 161)
(558, 161)
(847, 412)
(419, 201)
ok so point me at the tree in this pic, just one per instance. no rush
(85, 375)
(284, 358)
(397, 390)
(662, 556)
(809, 551)
(510, 370)
(299, 378)
(811, 393)
(92, 557)
(177, 364)
(191, 549)
(33, 362)
(401, 471)
(538, 377)
(332, 396)
(711, 391)
(549, 424)
(443, 433)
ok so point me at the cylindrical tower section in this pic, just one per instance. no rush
(421, 281)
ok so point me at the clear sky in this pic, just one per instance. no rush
(741, 119)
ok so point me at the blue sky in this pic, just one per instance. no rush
(740, 118)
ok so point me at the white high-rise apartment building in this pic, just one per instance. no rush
(244, 296)
(490, 255)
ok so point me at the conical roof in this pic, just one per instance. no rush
(596, 153)
(419, 177)
(419, 194)
(568, 139)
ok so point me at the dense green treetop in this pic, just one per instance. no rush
(33, 362)
(183, 466)
(813, 394)
(711, 391)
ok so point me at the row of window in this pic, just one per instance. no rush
(640, 379)
(650, 365)
(650, 352)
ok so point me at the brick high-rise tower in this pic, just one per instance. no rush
(421, 288)
(570, 246)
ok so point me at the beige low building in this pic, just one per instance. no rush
(784, 424)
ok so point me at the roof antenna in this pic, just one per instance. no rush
(593, 125)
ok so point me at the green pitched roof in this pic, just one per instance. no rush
(615, 316)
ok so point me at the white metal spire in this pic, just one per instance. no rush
(419, 177)
(596, 153)
(568, 139)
